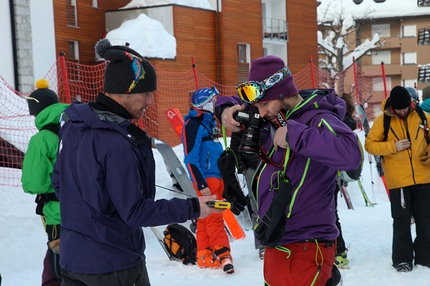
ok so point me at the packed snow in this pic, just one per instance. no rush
(367, 231)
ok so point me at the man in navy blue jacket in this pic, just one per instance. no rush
(104, 178)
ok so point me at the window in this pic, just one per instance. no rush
(241, 53)
(378, 84)
(72, 19)
(74, 71)
(424, 73)
(381, 56)
(409, 31)
(423, 3)
(243, 59)
(409, 82)
(376, 108)
(382, 29)
(409, 58)
(73, 50)
(424, 36)
(95, 4)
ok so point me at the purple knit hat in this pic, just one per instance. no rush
(264, 67)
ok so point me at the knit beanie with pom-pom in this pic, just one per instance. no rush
(41, 98)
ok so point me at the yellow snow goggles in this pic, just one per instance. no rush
(252, 91)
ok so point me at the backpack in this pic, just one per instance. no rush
(181, 243)
(42, 199)
(352, 176)
(423, 125)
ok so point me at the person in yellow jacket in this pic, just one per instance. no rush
(406, 164)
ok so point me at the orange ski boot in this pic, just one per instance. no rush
(225, 259)
(206, 259)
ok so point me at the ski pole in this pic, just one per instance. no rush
(173, 190)
(371, 178)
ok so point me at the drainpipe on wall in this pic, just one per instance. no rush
(14, 46)
(218, 23)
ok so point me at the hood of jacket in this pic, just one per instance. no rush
(203, 115)
(319, 99)
(82, 116)
(50, 115)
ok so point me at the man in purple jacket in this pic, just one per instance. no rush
(293, 187)
(104, 178)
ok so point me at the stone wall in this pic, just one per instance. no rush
(24, 45)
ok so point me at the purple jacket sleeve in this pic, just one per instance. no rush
(224, 102)
(339, 151)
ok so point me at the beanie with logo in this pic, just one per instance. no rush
(127, 71)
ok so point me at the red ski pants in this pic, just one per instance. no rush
(210, 230)
(297, 264)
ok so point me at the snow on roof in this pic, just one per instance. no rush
(147, 3)
(330, 10)
(146, 36)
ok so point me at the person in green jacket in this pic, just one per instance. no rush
(37, 169)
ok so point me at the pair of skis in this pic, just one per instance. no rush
(348, 200)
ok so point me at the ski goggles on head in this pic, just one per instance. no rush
(252, 91)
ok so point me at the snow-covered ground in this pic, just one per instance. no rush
(367, 230)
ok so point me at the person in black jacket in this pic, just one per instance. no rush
(341, 259)
(247, 164)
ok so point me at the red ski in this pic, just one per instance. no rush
(347, 198)
(177, 121)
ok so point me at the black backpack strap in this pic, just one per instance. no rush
(54, 128)
(423, 124)
(211, 135)
(387, 120)
(42, 199)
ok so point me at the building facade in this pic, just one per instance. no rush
(402, 53)
(222, 40)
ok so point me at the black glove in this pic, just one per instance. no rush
(271, 229)
(232, 189)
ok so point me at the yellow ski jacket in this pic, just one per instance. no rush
(402, 168)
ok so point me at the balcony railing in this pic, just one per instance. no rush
(424, 73)
(424, 36)
(275, 29)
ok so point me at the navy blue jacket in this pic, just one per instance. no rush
(104, 178)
